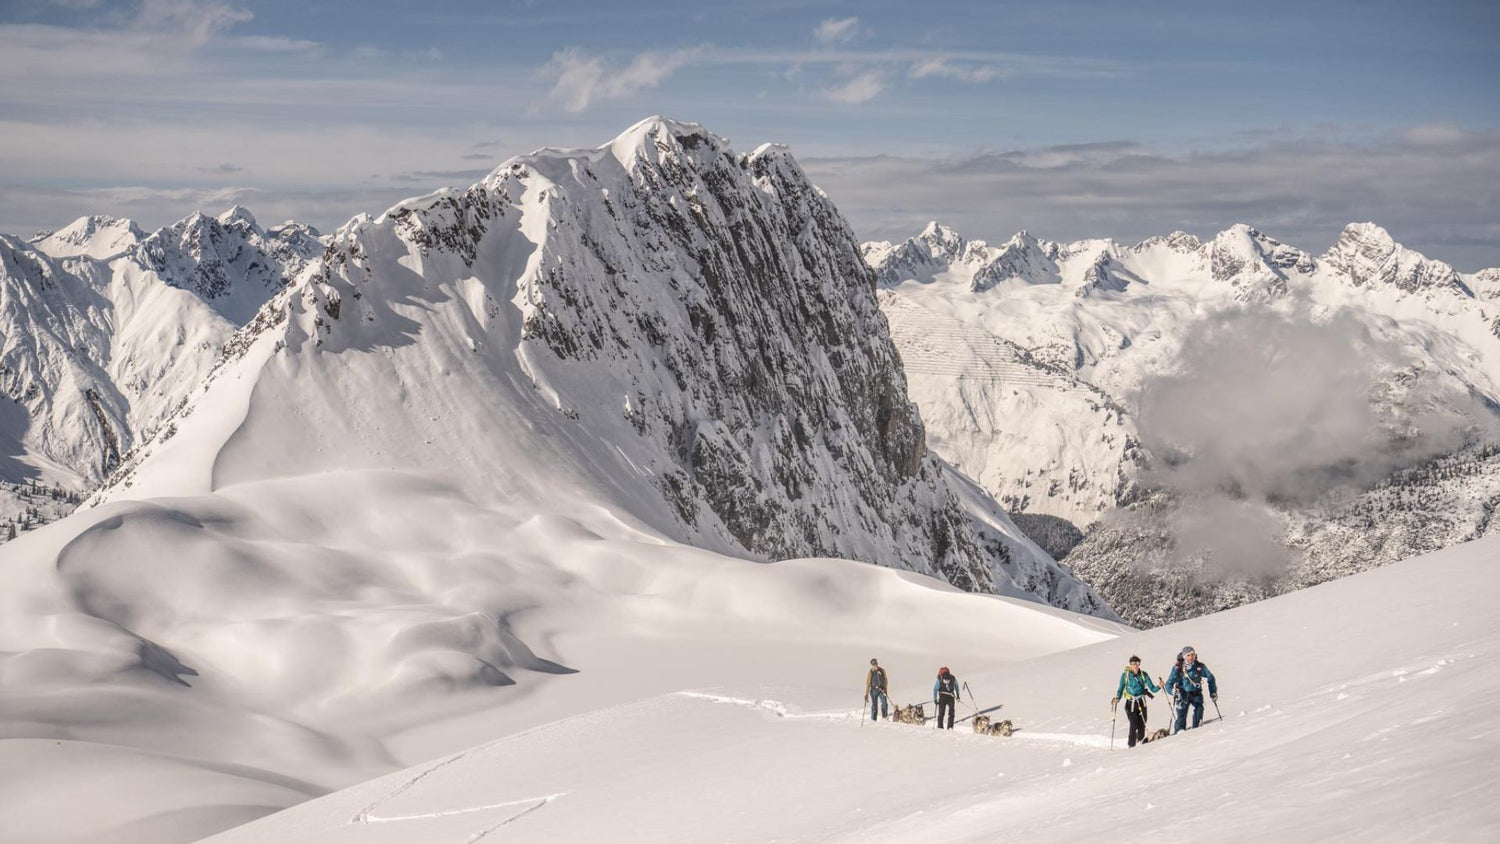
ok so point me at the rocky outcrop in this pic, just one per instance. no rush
(1367, 255)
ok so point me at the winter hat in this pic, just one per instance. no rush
(1187, 650)
(942, 671)
(1135, 659)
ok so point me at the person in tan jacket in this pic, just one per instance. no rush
(876, 684)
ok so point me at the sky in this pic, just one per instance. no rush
(1069, 119)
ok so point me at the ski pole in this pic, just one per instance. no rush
(1114, 715)
(1215, 699)
(972, 705)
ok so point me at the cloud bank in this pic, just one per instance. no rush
(1273, 409)
(1433, 187)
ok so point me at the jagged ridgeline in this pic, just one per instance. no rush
(105, 328)
(690, 330)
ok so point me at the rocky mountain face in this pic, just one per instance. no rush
(698, 322)
(1127, 370)
(105, 329)
(229, 261)
(1366, 255)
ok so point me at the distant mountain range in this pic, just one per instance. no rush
(1128, 397)
(106, 329)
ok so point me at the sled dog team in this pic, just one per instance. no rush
(1185, 682)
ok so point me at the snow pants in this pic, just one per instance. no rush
(945, 704)
(1135, 710)
(1195, 702)
(879, 703)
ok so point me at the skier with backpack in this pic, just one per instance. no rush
(1186, 682)
(1135, 687)
(876, 684)
(945, 695)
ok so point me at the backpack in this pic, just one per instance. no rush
(1189, 683)
(949, 685)
(877, 679)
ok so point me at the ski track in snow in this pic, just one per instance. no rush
(1074, 739)
(531, 804)
(773, 706)
(780, 710)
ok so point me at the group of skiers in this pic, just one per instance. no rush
(944, 694)
(1185, 681)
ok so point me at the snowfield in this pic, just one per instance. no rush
(328, 621)
(1359, 710)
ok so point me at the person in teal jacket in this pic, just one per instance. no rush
(1135, 687)
(1186, 683)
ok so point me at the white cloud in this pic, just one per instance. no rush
(275, 44)
(578, 80)
(833, 31)
(188, 24)
(942, 67)
(861, 88)
(1434, 134)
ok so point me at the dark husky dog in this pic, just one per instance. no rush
(910, 714)
(983, 724)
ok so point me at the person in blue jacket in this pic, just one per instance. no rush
(1186, 684)
(1135, 687)
(945, 695)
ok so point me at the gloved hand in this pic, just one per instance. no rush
(867, 698)
(1114, 701)
(1215, 698)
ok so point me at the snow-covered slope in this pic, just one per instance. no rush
(1356, 710)
(1253, 371)
(106, 329)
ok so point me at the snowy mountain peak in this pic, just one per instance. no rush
(99, 236)
(228, 261)
(1255, 264)
(1485, 284)
(655, 136)
(936, 249)
(1023, 258)
(239, 217)
(942, 240)
(1367, 255)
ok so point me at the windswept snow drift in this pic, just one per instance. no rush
(1357, 710)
